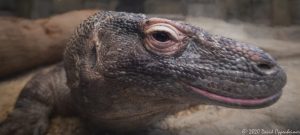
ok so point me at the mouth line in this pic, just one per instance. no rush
(236, 101)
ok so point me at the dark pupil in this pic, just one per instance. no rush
(161, 36)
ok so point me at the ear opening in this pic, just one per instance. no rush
(92, 52)
(93, 57)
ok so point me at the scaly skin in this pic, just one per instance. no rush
(125, 71)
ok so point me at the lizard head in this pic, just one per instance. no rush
(172, 59)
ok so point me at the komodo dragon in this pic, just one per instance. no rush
(123, 71)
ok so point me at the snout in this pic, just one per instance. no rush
(261, 62)
(261, 72)
(243, 75)
(270, 75)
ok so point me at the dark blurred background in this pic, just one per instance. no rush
(273, 12)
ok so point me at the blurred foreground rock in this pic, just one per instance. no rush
(28, 43)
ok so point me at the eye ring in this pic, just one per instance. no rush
(163, 38)
(162, 27)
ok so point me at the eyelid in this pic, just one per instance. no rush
(173, 32)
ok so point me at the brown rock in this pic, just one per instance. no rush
(25, 44)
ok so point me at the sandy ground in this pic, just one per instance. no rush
(281, 42)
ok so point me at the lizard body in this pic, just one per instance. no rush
(124, 71)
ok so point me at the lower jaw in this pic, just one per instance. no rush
(236, 102)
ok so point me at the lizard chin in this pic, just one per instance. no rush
(237, 102)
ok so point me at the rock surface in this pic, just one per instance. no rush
(35, 42)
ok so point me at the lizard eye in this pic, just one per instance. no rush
(163, 33)
(163, 38)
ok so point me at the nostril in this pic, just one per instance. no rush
(266, 68)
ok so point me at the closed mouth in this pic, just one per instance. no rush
(255, 102)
